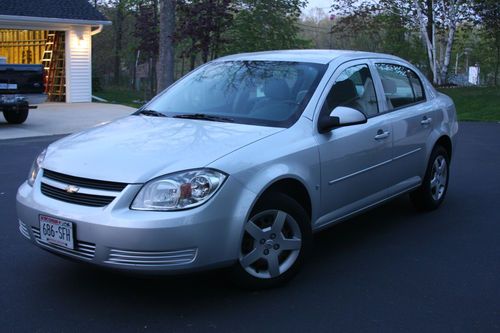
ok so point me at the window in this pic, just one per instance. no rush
(401, 85)
(416, 84)
(353, 88)
(268, 93)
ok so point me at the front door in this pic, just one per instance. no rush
(355, 160)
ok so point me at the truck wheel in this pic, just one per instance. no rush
(16, 116)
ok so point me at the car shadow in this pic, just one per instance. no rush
(329, 245)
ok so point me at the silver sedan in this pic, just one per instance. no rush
(239, 162)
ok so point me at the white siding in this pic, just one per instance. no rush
(78, 65)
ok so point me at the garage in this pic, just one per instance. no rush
(56, 34)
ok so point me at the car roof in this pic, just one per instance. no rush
(314, 56)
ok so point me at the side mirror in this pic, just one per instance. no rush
(341, 116)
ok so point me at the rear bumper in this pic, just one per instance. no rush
(10, 100)
(117, 237)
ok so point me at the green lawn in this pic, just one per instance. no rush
(476, 104)
(118, 95)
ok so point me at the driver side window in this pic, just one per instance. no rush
(353, 88)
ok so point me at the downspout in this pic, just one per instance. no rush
(96, 31)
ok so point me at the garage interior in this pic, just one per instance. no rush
(42, 47)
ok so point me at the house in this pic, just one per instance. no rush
(58, 35)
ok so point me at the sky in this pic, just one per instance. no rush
(325, 4)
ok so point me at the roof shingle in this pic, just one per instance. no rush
(61, 9)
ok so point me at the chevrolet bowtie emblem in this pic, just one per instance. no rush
(72, 189)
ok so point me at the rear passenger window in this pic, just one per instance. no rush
(401, 85)
(416, 84)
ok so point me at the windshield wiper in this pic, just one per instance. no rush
(151, 113)
(203, 116)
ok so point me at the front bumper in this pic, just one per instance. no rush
(117, 237)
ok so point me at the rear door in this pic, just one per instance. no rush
(412, 119)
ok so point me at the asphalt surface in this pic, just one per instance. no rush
(390, 270)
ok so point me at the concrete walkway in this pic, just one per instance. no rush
(62, 118)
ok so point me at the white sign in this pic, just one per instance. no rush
(474, 75)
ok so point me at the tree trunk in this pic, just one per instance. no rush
(134, 76)
(193, 55)
(430, 20)
(427, 33)
(447, 54)
(154, 76)
(204, 54)
(435, 69)
(497, 62)
(166, 58)
(182, 64)
(118, 23)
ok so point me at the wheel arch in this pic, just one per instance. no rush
(292, 187)
(446, 143)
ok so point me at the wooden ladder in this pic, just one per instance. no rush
(53, 61)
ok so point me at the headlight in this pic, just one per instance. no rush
(35, 167)
(179, 190)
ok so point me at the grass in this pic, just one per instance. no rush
(473, 104)
(476, 104)
(119, 95)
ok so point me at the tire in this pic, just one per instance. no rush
(275, 242)
(16, 115)
(430, 195)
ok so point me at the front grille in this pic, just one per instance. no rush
(76, 198)
(82, 250)
(84, 182)
(152, 258)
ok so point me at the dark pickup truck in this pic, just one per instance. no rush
(21, 86)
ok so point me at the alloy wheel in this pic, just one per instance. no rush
(271, 244)
(439, 177)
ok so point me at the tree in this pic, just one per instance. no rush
(266, 25)
(118, 20)
(167, 56)
(202, 23)
(437, 21)
(488, 12)
(449, 14)
(113, 48)
(147, 33)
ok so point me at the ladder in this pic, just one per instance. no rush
(53, 64)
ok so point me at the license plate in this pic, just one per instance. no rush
(57, 232)
(8, 86)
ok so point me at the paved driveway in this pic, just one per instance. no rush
(389, 270)
(62, 118)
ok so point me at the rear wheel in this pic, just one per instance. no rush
(16, 115)
(276, 239)
(431, 193)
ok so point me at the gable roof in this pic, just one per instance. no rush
(66, 10)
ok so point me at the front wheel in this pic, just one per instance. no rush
(276, 240)
(431, 193)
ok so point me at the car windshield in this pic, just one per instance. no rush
(269, 93)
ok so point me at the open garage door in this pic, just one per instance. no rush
(38, 47)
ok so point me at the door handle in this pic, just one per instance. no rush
(381, 135)
(426, 121)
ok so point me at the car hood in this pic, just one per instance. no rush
(136, 149)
